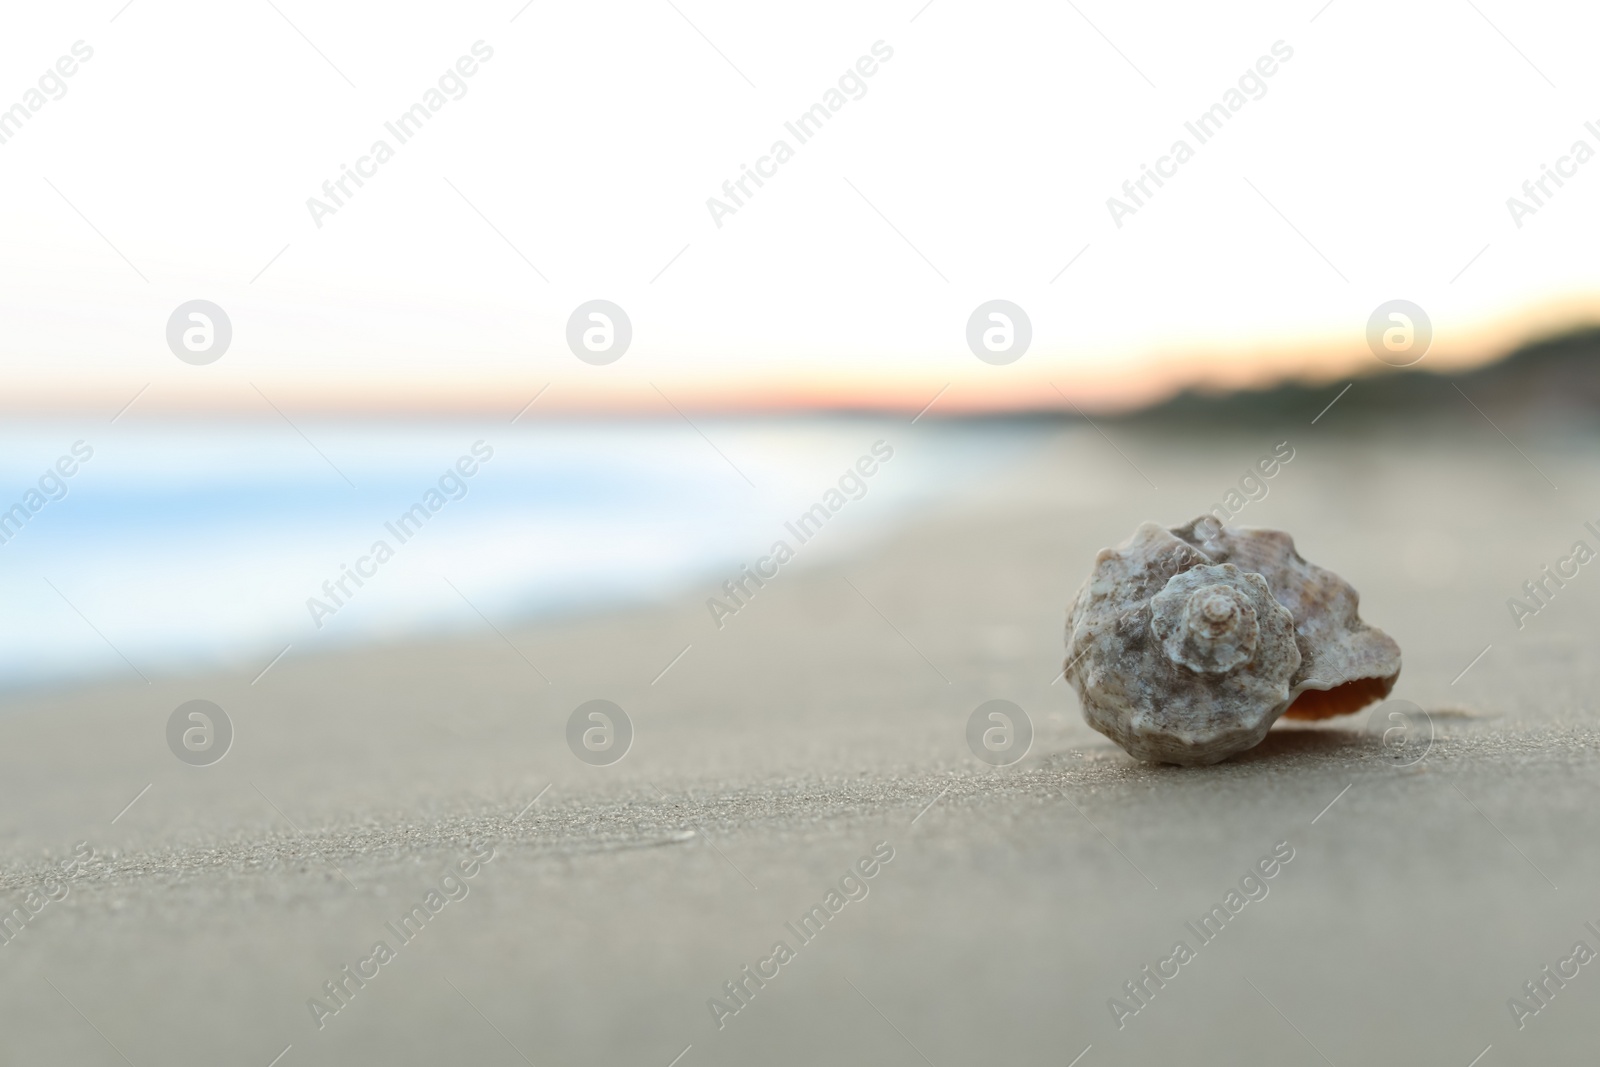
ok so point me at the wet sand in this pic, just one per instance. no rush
(824, 721)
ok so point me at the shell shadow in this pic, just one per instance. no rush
(1321, 743)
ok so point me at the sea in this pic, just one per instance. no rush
(180, 545)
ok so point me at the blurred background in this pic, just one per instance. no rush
(377, 333)
(577, 310)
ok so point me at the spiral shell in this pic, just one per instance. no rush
(1186, 645)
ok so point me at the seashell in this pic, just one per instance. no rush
(1186, 645)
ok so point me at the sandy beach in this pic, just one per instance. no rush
(821, 732)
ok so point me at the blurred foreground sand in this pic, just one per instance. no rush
(778, 751)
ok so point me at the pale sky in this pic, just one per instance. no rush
(577, 166)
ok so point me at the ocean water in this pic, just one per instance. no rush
(183, 545)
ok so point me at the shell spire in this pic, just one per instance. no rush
(1185, 645)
